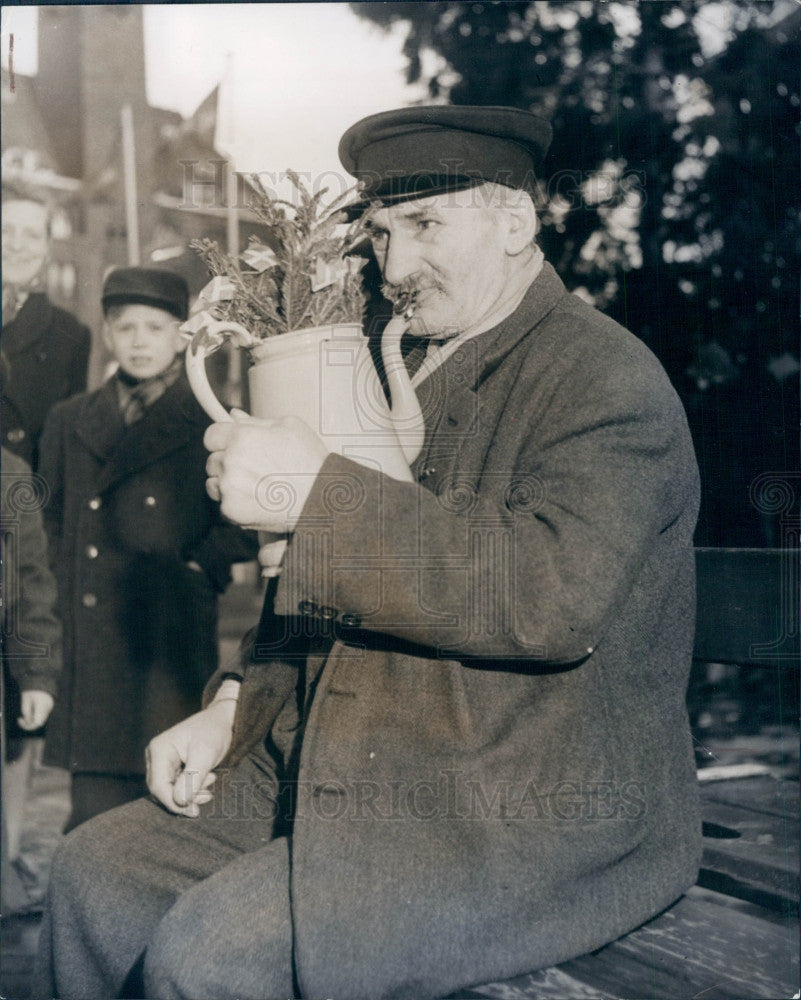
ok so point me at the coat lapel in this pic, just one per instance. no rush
(169, 424)
(451, 398)
(29, 325)
(99, 424)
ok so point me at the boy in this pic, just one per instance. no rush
(139, 549)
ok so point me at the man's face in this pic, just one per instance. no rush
(143, 339)
(451, 248)
(25, 241)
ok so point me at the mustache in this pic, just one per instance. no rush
(403, 296)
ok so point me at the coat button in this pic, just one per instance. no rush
(91, 552)
(150, 501)
(428, 471)
(328, 612)
(16, 435)
(94, 503)
(307, 608)
(89, 601)
(351, 620)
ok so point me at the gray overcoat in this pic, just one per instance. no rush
(496, 771)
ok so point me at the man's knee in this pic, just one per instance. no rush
(84, 863)
(75, 860)
(178, 957)
(197, 951)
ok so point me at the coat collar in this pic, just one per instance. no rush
(449, 397)
(543, 294)
(29, 325)
(170, 423)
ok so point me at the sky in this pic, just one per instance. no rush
(296, 74)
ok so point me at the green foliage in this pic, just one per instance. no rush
(309, 280)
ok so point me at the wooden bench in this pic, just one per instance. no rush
(736, 933)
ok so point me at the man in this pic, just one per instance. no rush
(458, 748)
(47, 348)
(45, 358)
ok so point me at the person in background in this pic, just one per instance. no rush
(31, 651)
(47, 350)
(139, 550)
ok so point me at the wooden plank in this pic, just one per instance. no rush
(762, 795)
(706, 945)
(724, 823)
(755, 854)
(754, 879)
(546, 984)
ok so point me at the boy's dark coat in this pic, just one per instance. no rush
(127, 509)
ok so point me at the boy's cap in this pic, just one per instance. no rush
(416, 152)
(147, 286)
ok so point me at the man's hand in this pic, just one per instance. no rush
(262, 471)
(35, 708)
(180, 761)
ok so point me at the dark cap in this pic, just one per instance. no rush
(416, 152)
(147, 286)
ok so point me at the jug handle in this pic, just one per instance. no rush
(271, 552)
(216, 332)
(404, 406)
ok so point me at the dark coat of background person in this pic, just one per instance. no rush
(31, 646)
(48, 353)
(139, 624)
(31, 630)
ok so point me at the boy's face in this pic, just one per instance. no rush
(143, 339)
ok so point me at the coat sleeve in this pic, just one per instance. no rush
(32, 631)
(222, 546)
(532, 564)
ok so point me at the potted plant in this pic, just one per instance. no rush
(296, 307)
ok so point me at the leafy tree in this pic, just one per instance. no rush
(670, 195)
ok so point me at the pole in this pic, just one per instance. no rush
(224, 141)
(129, 175)
(234, 387)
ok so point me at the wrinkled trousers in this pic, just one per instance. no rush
(146, 903)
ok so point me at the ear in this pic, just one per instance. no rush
(521, 226)
(179, 342)
(107, 336)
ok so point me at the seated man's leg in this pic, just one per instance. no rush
(115, 877)
(228, 937)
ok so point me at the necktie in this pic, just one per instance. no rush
(135, 407)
